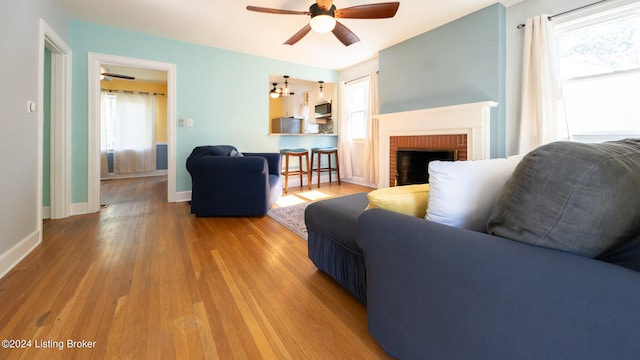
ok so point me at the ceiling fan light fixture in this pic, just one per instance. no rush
(323, 23)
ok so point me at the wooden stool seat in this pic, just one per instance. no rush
(300, 154)
(329, 168)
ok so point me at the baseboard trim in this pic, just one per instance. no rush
(46, 212)
(79, 209)
(183, 196)
(10, 258)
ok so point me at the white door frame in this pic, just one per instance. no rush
(60, 119)
(95, 60)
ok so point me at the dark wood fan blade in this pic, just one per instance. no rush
(324, 4)
(346, 36)
(277, 11)
(126, 77)
(370, 11)
(299, 35)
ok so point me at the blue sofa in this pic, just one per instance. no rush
(556, 275)
(441, 292)
(226, 182)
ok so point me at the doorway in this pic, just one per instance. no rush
(58, 101)
(94, 152)
(133, 123)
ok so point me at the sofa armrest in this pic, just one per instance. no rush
(273, 159)
(223, 185)
(436, 291)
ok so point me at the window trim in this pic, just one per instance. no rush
(349, 91)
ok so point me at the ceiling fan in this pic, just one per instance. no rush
(323, 18)
(106, 75)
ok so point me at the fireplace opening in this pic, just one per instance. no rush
(412, 164)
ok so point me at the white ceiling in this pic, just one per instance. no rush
(228, 25)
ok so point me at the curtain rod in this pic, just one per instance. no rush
(131, 92)
(359, 78)
(520, 26)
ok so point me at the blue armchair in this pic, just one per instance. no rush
(226, 182)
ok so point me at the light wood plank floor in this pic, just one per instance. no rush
(144, 279)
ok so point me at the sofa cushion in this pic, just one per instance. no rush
(462, 193)
(410, 200)
(580, 198)
(336, 219)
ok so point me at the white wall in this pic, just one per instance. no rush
(359, 70)
(19, 144)
(518, 14)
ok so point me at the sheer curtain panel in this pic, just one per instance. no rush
(371, 148)
(131, 135)
(344, 139)
(540, 122)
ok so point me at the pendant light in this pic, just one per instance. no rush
(285, 91)
(321, 94)
(274, 94)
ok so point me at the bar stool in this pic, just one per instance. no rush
(325, 151)
(299, 153)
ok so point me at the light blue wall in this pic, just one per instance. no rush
(224, 92)
(460, 62)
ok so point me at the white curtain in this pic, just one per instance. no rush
(371, 148)
(344, 140)
(540, 122)
(133, 133)
(104, 114)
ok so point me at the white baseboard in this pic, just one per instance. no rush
(10, 258)
(79, 209)
(46, 212)
(183, 196)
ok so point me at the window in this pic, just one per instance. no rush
(358, 109)
(599, 59)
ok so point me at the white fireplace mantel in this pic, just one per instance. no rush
(472, 119)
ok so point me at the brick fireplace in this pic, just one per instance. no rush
(465, 128)
(432, 142)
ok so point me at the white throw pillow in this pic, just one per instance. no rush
(463, 192)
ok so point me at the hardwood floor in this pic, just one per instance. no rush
(144, 279)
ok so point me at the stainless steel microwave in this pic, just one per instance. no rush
(323, 110)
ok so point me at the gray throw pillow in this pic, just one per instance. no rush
(236, 153)
(580, 198)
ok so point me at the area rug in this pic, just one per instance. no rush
(292, 217)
